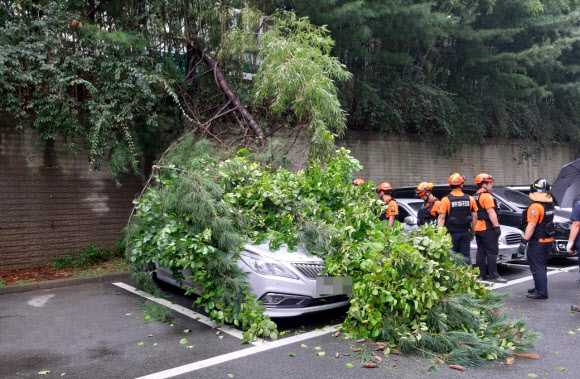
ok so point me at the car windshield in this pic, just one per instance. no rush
(517, 198)
(415, 206)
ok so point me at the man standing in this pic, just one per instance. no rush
(538, 226)
(429, 211)
(574, 239)
(458, 213)
(385, 190)
(487, 230)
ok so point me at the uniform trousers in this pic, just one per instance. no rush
(487, 251)
(461, 244)
(537, 254)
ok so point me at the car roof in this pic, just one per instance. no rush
(439, 191)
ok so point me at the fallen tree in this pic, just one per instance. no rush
(411, 290)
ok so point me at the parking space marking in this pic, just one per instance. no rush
(40, 301)
(526, 266)
(263, 346)
(184, 311)
(527, 278)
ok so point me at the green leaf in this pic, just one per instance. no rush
(147, 317)
(292, 354)
(190, 346)
(43, 372)
(230, 375)
(560, 369)
(318, 348)
(320, 353)
(186, 331)
(183, 341)
(349, 365)
(149, 335)
(141, 343)
(128, 314)
(532, 375)
(302, 345)
(571, 332)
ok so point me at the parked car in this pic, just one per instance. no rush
(509, 240)
(285, 282)
(511, 205)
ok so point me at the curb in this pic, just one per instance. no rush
(49, 284)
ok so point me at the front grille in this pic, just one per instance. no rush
(312, 271)
(512, 239)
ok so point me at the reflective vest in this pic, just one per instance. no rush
(459, 218)
(545, 228)
(482, 213)
(383, 215)
(424, 215)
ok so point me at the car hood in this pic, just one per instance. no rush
(509, 230)
(283, 254)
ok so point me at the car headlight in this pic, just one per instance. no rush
(266, 266)
(500, 241)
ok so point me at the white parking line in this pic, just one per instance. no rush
(527, 278)
(184, 311)
(237, 354)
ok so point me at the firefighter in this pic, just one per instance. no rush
(385, 190)
(487, 230)
(358, 182)
(458, 213)
(429, 211)
(538, 226)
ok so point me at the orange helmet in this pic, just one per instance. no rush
(358, 182)
(422, 188)
(456, 179)
(384, 187)
(481, 178)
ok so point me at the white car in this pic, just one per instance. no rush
(509, 240)
(285, 282)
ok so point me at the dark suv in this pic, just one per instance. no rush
(511, 204)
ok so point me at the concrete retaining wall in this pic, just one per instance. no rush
(50, 202)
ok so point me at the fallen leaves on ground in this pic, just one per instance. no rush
(370, 365)
(378, 358)
(457, 367)
(357, 350)
(337, 334)
(43, 372)
(292, 355)
(362, 340)
(349, 365)
(510, 361)
(439, 360)
(303, 346)
(321, 353)
(337, 355)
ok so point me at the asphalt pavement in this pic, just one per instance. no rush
(97, 330)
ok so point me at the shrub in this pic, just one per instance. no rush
(64, 261)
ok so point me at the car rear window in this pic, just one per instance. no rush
(515, 197)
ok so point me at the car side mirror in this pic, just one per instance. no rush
(410, 220)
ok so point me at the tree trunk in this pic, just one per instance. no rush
(222, 84)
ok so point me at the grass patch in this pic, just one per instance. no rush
(24, 281)
(2, 283)
(114, 265)
(156, 311)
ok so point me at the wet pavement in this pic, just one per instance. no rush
(98, 331)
